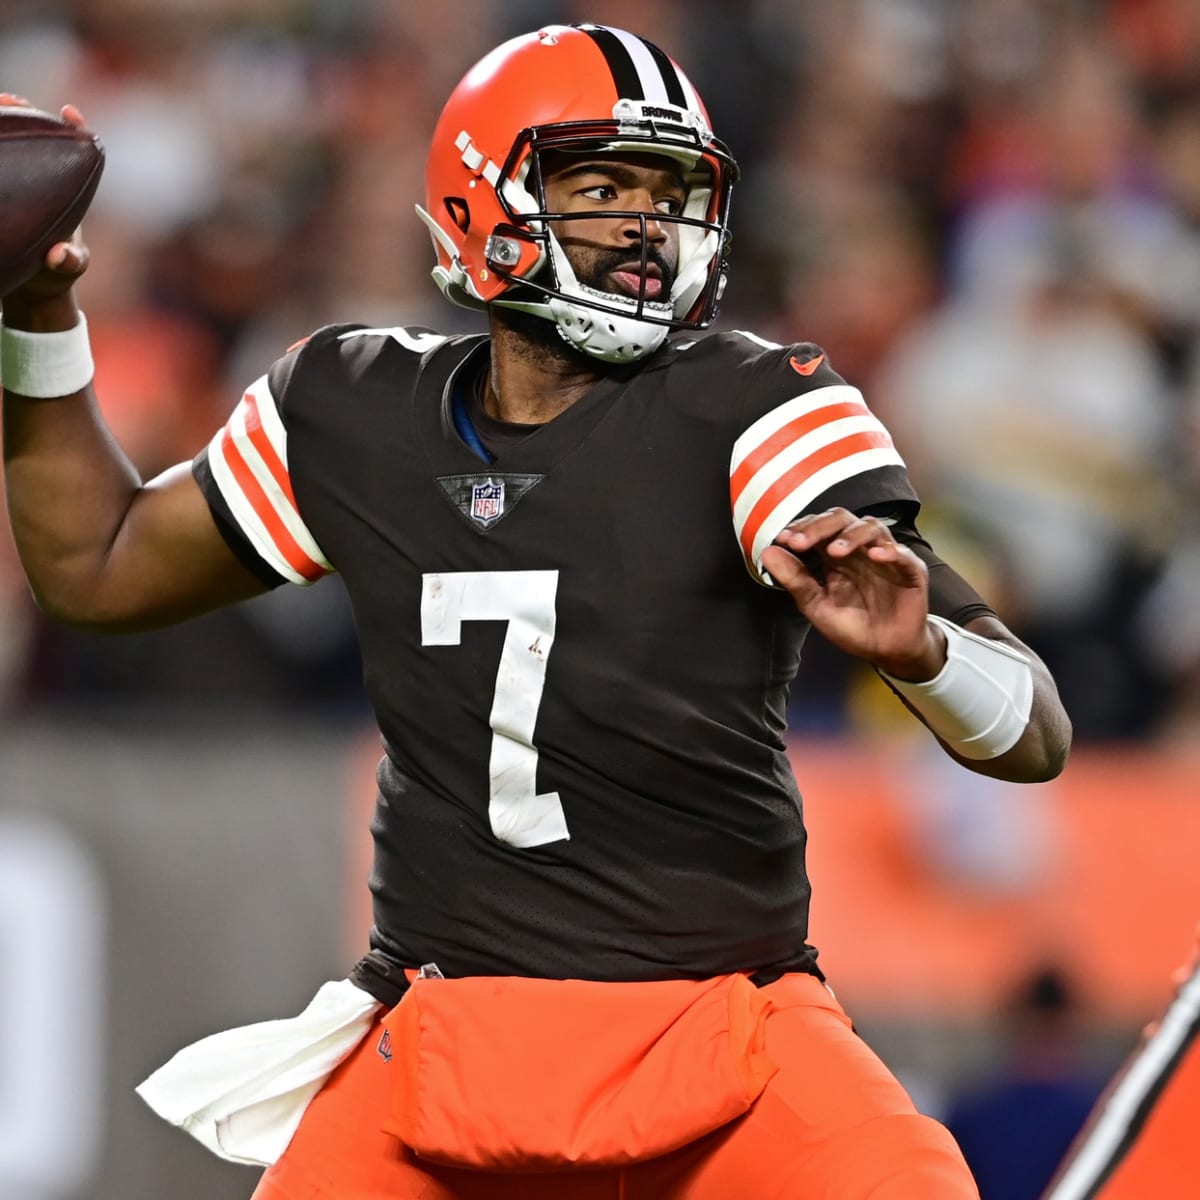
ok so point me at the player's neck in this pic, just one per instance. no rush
(534, 377)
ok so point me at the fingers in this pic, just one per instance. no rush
(786, 569)
(69, 112)
(837, 532)
(826, 539)
(67, 258)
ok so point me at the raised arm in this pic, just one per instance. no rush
(986, 696)
(100, 547)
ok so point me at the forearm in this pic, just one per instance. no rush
(977, 708)
(69, 488)
(69, 485)
(100, 548)
(986, 696)
(1040, 754)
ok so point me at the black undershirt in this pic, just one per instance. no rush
(496, 436)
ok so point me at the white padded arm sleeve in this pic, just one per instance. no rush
(979, 703)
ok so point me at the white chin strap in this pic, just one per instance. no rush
(595, 325)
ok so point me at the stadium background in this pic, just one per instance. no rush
(989, 216)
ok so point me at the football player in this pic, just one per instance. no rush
(583, 553)
(1141, 1138)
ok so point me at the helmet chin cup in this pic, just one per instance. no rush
(591, 320)
(605, 335)
(592, 325)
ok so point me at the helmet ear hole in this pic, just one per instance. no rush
(459, 212)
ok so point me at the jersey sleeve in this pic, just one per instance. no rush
(809, 443)
(950, 595)
(244, 475)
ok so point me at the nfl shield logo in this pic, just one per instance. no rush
(487, 501)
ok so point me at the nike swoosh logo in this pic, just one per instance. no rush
(806, 368)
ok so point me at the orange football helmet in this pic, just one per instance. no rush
(584, 88)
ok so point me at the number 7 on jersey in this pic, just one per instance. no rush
(519, 815)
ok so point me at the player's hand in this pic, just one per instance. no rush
(65, 262)
(861, 589)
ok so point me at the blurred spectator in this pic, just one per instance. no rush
(1073, 190)
(1046, 425)
(1167, 622)
(1015, 1125)
(1038, 400)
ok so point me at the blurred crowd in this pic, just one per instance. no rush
(987, 213)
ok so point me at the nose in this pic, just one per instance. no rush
(650, 220)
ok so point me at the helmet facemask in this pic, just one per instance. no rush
(612, 326)
(526, 254)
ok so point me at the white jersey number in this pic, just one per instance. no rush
(519, 814)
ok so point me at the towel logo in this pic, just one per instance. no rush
(385, 1046)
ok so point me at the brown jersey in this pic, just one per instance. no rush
(579, 669)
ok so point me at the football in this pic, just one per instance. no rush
(49, 172)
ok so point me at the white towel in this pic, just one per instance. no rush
(242, 1092)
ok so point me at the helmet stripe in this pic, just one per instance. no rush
(693, 101)
(640, 70)
(670, 75)
(624, 72)
(654, 86)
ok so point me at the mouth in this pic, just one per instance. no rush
(629, 280)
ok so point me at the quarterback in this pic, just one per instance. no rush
(583, 552)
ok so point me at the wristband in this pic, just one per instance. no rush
(45, 365)
(979, 702)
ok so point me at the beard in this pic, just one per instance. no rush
(592, 266)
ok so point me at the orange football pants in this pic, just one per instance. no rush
(832, 1124)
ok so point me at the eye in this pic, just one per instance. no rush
(600, 192)
(670, 206)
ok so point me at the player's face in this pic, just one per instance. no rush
(605, 251)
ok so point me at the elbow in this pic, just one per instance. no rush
(1057, 762)
(1048, 765)
(103, 604)
(62, 611)
(52, 602)
(78, 608)
(1038, 757)
(1041, 754)
(1054, 742)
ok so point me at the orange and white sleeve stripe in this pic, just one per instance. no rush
(248, 459)
(793, 454)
